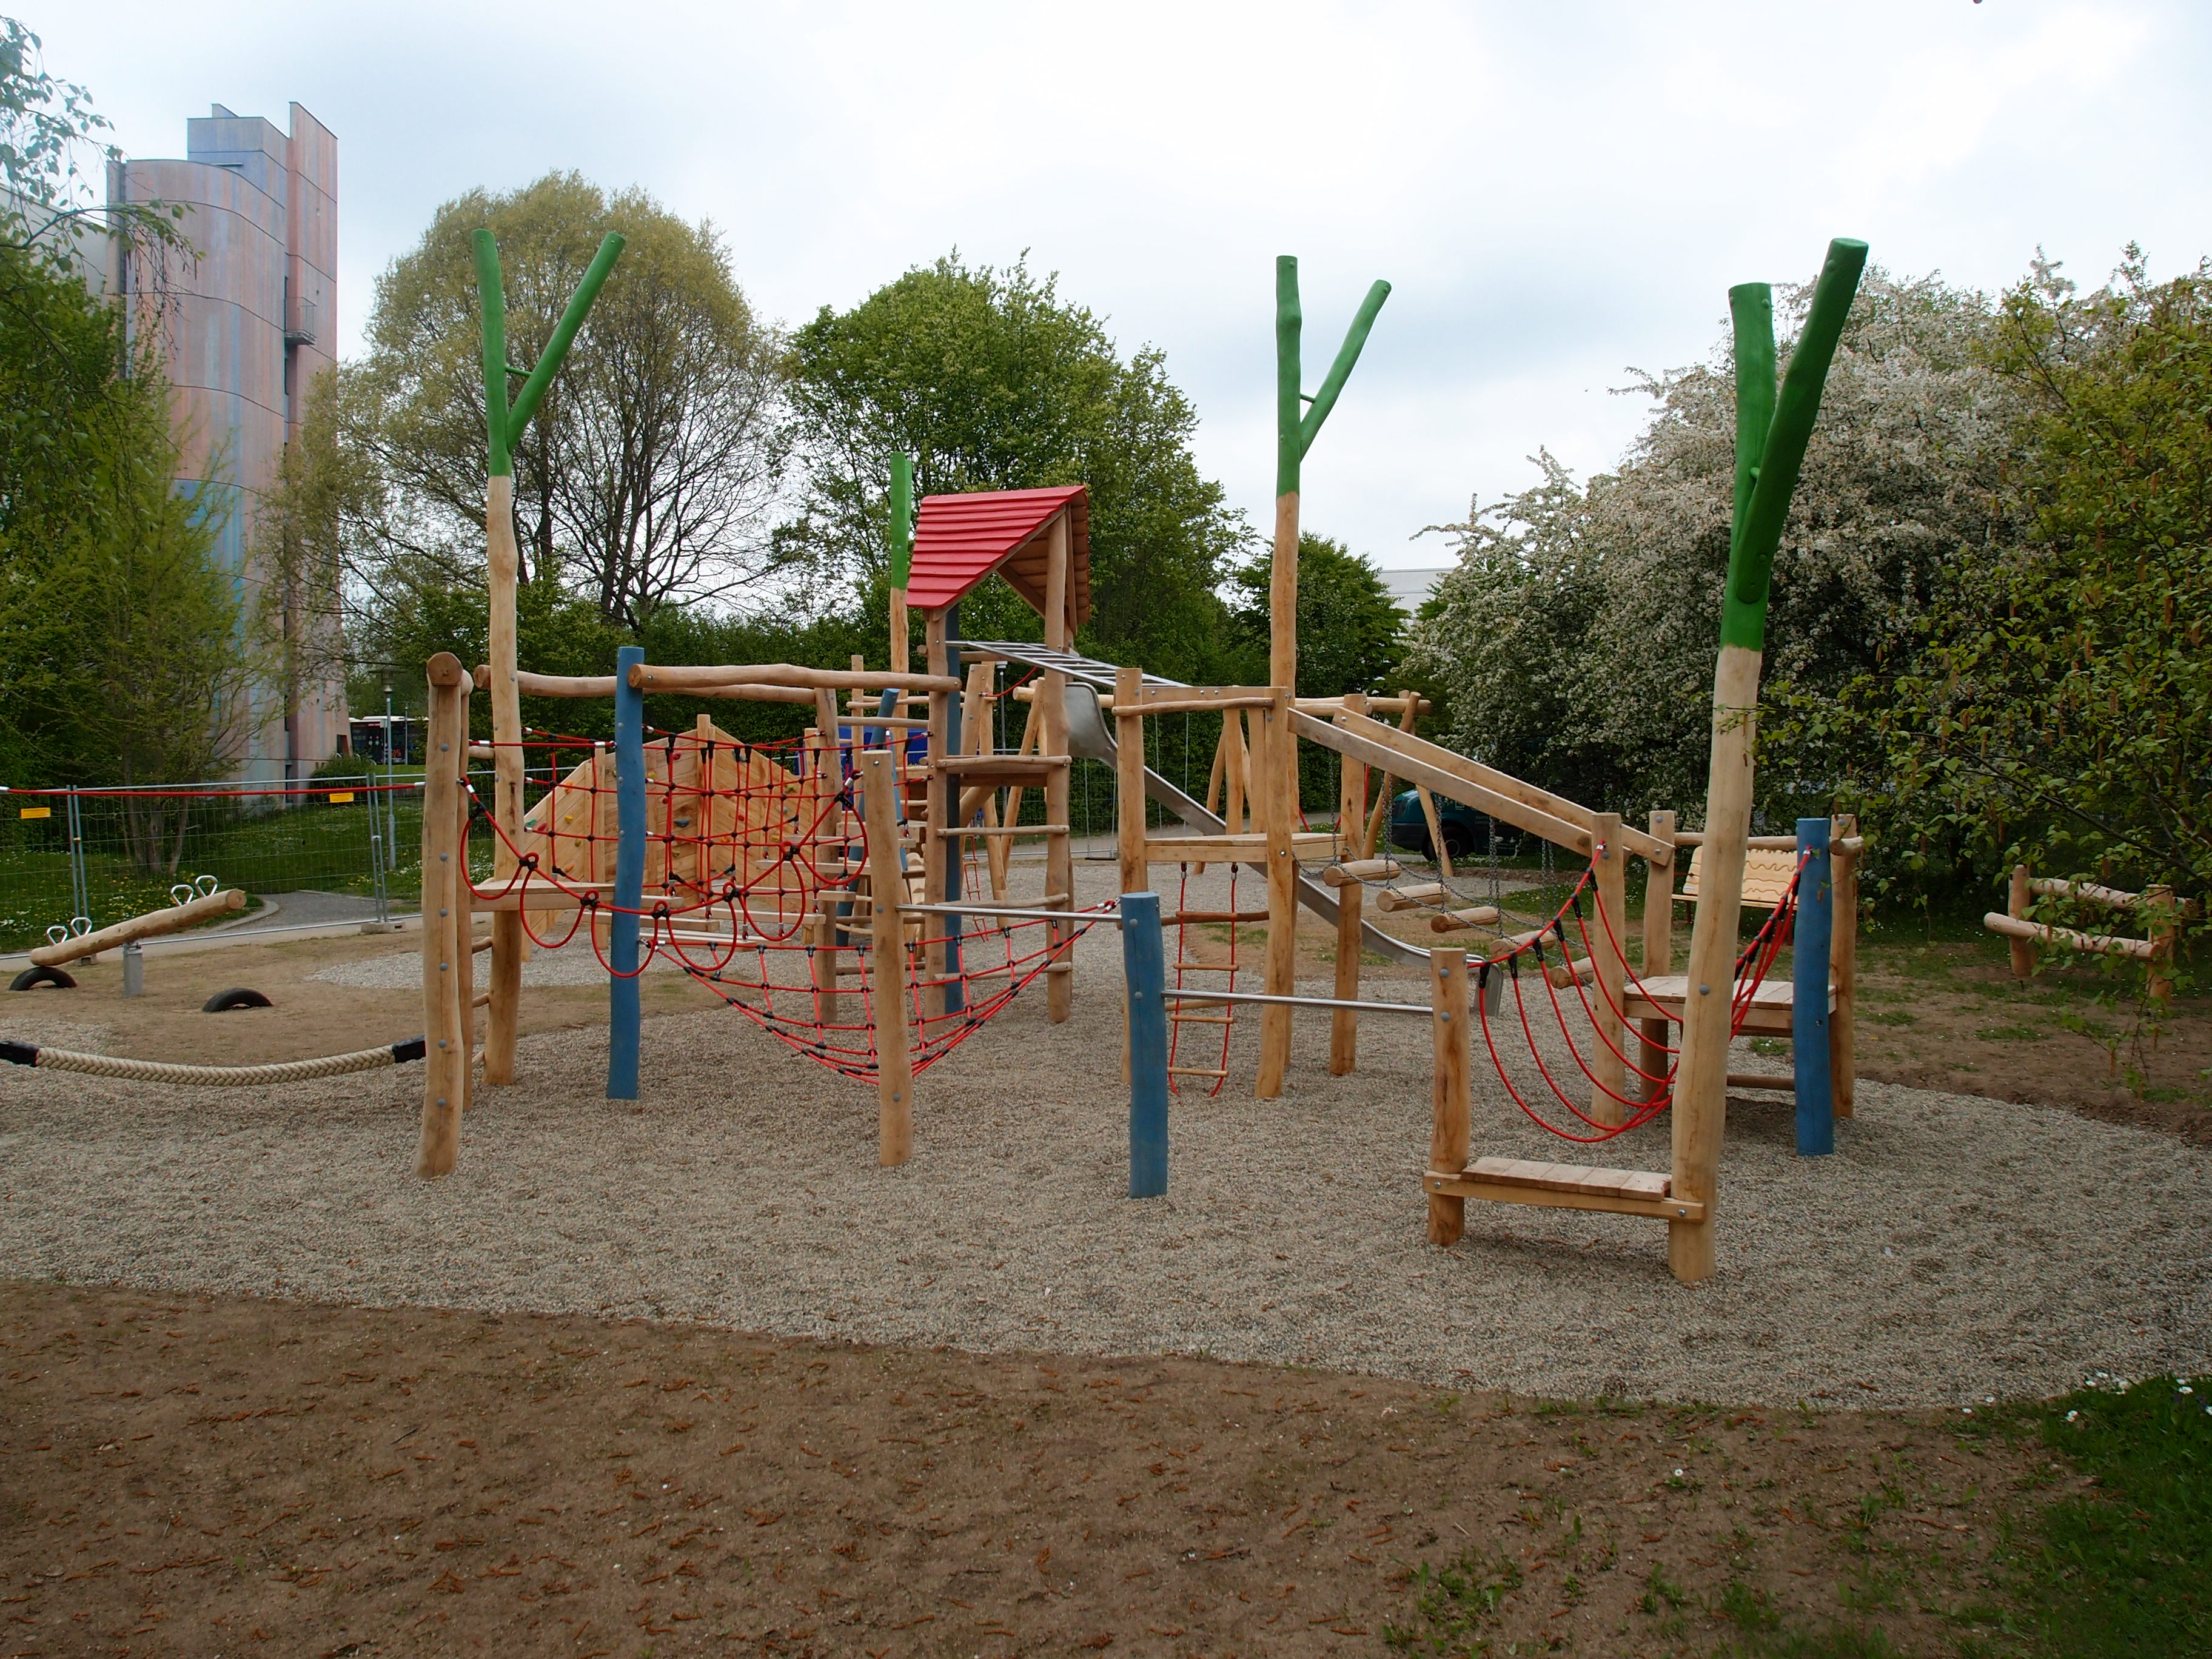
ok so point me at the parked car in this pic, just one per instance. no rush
(1466, 831)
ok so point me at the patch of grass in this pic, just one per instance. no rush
(2012, 1033)
(2124, 1569)
(1895, 1016)
(1452, 1603)
(1837, 1642)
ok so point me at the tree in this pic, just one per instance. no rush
(1350, 630)
(1574, 641)
(992, 383)
(119, 648)
(647, 476)
(2056, 705)
(46, 203)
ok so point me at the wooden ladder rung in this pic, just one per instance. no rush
(1194, 1071)
(1201, 1020)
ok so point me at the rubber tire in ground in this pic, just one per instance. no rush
(1458, 843)
(238, 996)
(30, 978)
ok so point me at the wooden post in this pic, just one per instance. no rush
(1658, 951)
(1351, 823)
(1060, 854)
(1448, 1097)
(1129, 778)
(2019, 900)
(887, 891)
(1235, 771)
(2162, 919)
(1771, 431)
(1808, 1008)
(624, 1010)
(1144, 971)
(1611, 861)
(1844, 967)
(1700, 1115)
(462, 903)
(509, 943)
(445, 927)
(1276, 777)
(1379, 819)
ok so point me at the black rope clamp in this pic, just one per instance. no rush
(588, 901)
(530, 861)
(1482, 975)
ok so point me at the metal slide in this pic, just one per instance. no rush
(1090, 735)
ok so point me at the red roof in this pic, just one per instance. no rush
(960, 539)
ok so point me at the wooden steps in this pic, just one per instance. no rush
(1565, 1187)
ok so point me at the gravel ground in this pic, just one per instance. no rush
(1954, 1248)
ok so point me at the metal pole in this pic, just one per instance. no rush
(391, 799)
(1144, 970)
(376, 849)
(80, 885)
(1808, 1007)
(623, 1010)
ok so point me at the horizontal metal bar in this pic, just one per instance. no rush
(1300, 1002)
(1113, 916)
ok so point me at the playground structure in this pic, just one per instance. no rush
(776, 874)
(2160, 912)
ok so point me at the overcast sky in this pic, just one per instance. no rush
(1556, 191)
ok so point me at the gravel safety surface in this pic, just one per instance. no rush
(1954, 1248)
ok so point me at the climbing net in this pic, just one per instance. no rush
(1547, 955)
(761, 885)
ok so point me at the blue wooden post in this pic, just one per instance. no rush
(1144, 968)
(1808, 1018)
(622, 1010)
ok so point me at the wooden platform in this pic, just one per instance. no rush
(1769, 1015)
(1002, 769)
(1564, 1186)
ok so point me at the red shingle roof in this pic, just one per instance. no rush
(960, 539)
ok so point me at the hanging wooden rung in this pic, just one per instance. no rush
(1480, 916)
(1353, 871)
(1201, 1020)
(1194, 1071)
(1425, 896)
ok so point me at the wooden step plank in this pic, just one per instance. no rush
(1565, 1186)
(1002, 766)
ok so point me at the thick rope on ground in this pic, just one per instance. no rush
(155, 1070)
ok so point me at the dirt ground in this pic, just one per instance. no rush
(223, 1476)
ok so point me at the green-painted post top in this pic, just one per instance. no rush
(503, 424)
(902, 527)
(491, 298)
(1751, 309)
(1296, 428)
(1289, 322)
(1758, 531)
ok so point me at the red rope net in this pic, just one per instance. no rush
(1751, 967)
(759, 885)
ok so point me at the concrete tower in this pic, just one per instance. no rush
(248, 324)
